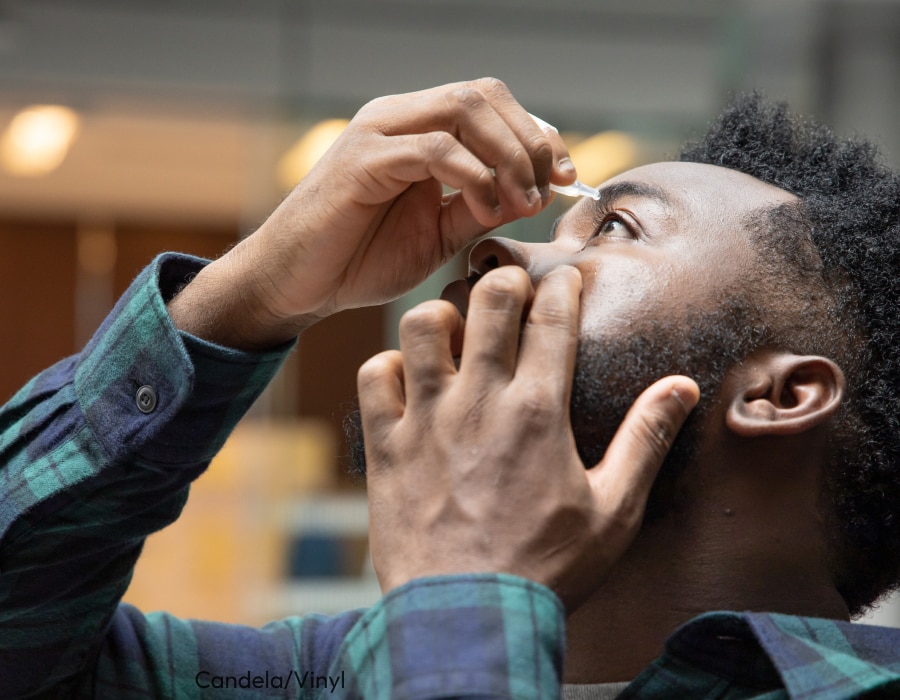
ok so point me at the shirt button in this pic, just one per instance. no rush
(146, 399)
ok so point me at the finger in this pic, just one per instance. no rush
(550, 336)
(379, 382)
(493, 323)
(633, 458)
(467, 114)
(427, 334)
(457, 224)
(410, 158)
(546, 148)
(478, 114)
(563, 168)
(498, 130)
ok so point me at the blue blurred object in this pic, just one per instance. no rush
(315, 554)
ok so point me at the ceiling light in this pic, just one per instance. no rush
(37, 140)
(603, 155)
(302, 156)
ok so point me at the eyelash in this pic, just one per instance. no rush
(604, 216)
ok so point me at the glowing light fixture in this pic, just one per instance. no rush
(302, 156)
(603, 155)
(37, 140)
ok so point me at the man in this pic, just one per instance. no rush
(781, 495)
(478, 494)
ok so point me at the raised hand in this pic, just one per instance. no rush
(474, 469)
(371, 221)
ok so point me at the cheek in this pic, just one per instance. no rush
(622, 296)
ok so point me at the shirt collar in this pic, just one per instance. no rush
(809, 657)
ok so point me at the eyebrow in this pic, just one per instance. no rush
(629, 188)
(619, 190)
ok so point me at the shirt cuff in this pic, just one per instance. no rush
(151, 392)
(475, 635)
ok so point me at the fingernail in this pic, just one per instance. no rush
(533, 196)
(545, 194)
(566, 165)
(498, 212)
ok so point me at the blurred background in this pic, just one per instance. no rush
(131, 127)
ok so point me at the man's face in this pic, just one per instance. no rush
(666, 258)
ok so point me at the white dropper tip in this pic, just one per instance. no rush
(577, 188)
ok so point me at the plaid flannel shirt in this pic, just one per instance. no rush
(98, 452)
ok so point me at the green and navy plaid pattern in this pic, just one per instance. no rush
(86, 475)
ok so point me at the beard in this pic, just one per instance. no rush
(612, 371)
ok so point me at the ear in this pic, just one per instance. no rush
(779, 393)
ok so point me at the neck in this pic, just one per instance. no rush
(682, 566)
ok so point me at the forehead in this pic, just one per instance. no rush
(697, 189)
(693, 221)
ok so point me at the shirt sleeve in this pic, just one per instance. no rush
(464, 636)
(96, 453)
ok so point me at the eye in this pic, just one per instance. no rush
(612, 225)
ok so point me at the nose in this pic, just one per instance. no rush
(536, 258)
(492, 253)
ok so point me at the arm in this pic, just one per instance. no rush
(90, 476)
(87, 474)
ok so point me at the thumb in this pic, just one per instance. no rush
(642, 441)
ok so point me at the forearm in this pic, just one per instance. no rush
(87, 473)
(229, 302)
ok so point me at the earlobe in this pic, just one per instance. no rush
(779, 393)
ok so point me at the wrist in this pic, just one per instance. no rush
(223, 307)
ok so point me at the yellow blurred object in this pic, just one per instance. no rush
(37, 140)
(227, 551)
(599, 157)
(303, 155)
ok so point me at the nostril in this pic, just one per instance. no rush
(492, 253)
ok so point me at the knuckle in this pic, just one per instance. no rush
(437, 144)
(629, 513)
(373, 105)
(537, 410)
(552, 315)
(428, 318)
(373, 369)
(468, 97)
(374, 108)
(484, 179)
(541, 150)
(517, 156)
(504, 282)
(493, 86)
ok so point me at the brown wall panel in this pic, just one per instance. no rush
(330, 354)
(138, 244)
(40, 278)
(37, 319)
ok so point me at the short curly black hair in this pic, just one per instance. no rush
(842, 240)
